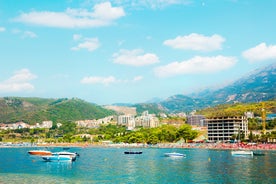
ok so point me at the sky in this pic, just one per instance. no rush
(124, 51)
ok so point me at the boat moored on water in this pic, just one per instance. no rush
(39, 152)
(174, 154)
(242, 152)
(133, 152)
(66, 153)
(58, 158)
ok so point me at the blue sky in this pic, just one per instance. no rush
(131, 51)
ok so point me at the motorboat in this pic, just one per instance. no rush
(58, 158)
(66, 153)
(242, 152)
(174, 154)
(39, 152)
(133, 152)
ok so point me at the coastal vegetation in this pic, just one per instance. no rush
(69, 133)
(67, 111)
(36, 110)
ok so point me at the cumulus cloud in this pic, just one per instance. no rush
(152, 4)
(260, 53)
(24, 34)
(196, 42)
(108, 80)
(2, 29)
(98, 80)
(102, 14)
(20, 81)
(196, 65)
(77, 37)
(137, 78)
(90, 44)
(135, 57)
(29, 34)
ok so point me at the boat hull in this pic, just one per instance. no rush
(174, 154)
(66, 153)
(250, 153)
(133, 152)
(58, 158)
(39, 152)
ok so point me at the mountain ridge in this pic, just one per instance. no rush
(258, 85)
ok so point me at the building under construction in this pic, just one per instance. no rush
(223, 128)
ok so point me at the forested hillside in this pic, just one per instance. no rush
(36, 110)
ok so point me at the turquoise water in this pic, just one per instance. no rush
(111, 165)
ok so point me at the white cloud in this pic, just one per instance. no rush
(29, 34)
(98, 80)
(18, 82)
(260, 52)
(24, 34)
(103, 14)
(135, 57)
(108, 80)
(152, 4)
(77, 37)
(196, 42)
(90, 44)
(2, 29)
(137, 78)
(196, 65)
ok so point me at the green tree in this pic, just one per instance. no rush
(185, 131)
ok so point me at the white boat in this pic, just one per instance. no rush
(242, 152)
(66, 153)
(174, 154)
(58, 158)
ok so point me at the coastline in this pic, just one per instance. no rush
(218, 146)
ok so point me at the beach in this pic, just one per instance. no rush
(230, 146)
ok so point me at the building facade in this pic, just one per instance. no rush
(223, 128)
(196, 120)
(126, 120)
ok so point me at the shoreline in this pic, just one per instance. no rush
(216, 146)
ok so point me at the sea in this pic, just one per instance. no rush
(110, 165)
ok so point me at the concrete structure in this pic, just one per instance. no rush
(147, 120)
(223, 128)
(126, 120)
(196, 120)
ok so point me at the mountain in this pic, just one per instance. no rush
(257, 86)
(36, 110)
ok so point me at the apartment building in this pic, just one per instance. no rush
(126, 120)
(223, 128)
(196, 120)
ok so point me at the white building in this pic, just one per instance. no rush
(126, 120)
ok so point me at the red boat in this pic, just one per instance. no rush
(39, 152)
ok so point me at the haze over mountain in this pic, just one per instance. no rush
(257, 86)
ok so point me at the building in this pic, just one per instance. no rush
(196, 120)
(126, 120)
(223, 128)
(147, 120)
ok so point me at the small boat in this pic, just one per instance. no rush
(58, 158)
(39, 152)
(133, 152)
(66, 153)
(258, 154)
(174, 154)
(242, 152)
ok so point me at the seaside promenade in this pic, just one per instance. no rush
(169, 145)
